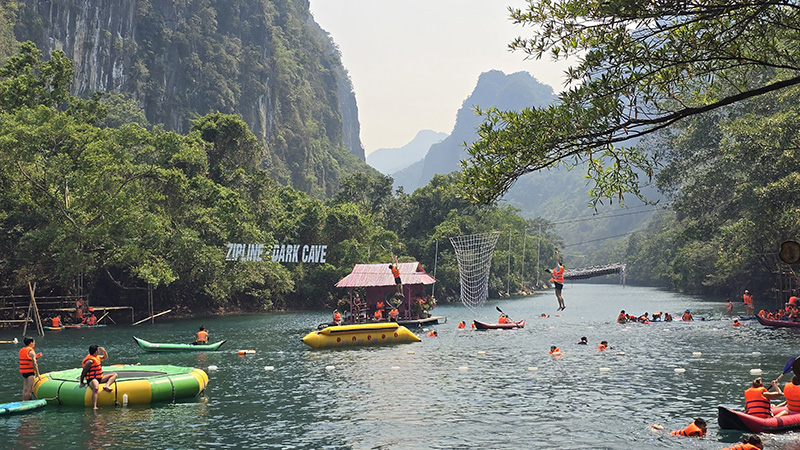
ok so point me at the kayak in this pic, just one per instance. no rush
(53, 328)
(498, 326)
(380, 333)
(18, 407)
(81, 325)
(151, 347)
(135, 385)
(777, 323)
(736, 420)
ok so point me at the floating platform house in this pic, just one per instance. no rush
(377, 283)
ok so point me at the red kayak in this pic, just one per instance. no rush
(498, 326)
(736, 420)
(777, 323)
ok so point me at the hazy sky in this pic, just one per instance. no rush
(413, 62)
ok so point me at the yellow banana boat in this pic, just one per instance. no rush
(381, 333)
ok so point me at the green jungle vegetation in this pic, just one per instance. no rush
(92, 202)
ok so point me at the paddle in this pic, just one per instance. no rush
(787, 368)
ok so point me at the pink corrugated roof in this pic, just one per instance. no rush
(371, 275)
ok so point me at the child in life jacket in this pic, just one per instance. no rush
(752, 442)
(697, 428)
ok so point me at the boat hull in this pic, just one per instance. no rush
(153, 347)
(777, 323)
(141, 385)
(736, 420)
(382, 333)
(498, 326)
(18, 407)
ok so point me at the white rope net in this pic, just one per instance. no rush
(474, 254)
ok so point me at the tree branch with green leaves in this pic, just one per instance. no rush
(641, 67)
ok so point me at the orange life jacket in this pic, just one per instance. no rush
(379, 305)
(691, 430)
(379, 314)
(747, 299)
(502, 319)
(56, 321)
(473, 325)
(793, 301)
(601, 347)
(687, 317)
(394, 313)
(792, 393)
(337, 317)
(557, 350)
(742, 446)
(755, 403)
(558, 274)
(622, 318)
(395, 272)
(462, 325)
(25, 361)
(432, 334)
(202, 336)
(96, 371)
(91, 320)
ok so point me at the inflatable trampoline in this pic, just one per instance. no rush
(135, 385)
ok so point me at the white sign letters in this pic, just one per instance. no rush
(283, 253)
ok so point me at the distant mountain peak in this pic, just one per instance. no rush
(391, 160)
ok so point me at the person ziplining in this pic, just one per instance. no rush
(557, 279)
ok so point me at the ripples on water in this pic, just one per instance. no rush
(442, 393)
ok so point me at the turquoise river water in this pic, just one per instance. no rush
(464, 389)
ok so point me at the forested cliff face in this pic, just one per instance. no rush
(266, 60)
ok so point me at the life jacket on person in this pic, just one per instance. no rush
(91, 320)
(25, 360)
(96, 371)
(558, 274)
(667, 317)
(793, 301)
(736, 323)
(742, 446)
(394, 313)
(379, 305)
(503, 319)
(56, 321)
(747, 299)
(691, 430)
(337, 317)
(601, 347)
(472, 325)
(687, 316)
(432, 334)
(622, 318)
(462, 324)
(395, 272)
(792, 394)
(378, 314)
(79, 311)
(755, 403)
(202, 336)
(555, 350)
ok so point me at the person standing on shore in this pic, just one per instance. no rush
(28, 367)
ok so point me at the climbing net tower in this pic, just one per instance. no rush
(474, 254)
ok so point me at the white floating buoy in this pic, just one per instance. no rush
(605, 369)
(210, 368)
(533, 369)
(124, 399)
(463, 368)
(395, 367)
(755, 371)
(410, 352)
(269, 368)
(621, 353)
(680, 370)
(330, 367)
(697, 354)
(481, 352)
(756, 353)
(590, 327)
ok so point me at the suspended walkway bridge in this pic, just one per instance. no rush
(596, 271)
